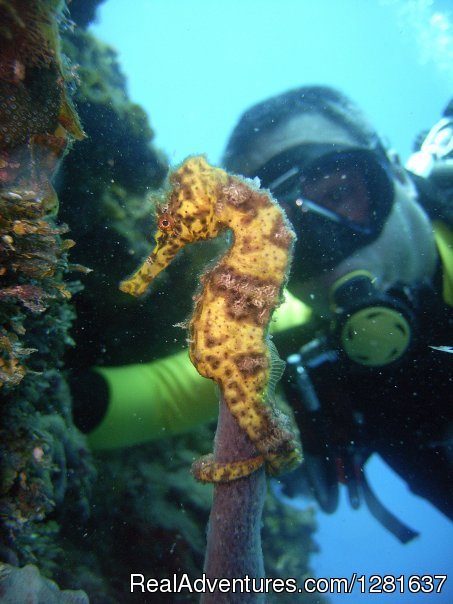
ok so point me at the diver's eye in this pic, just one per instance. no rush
(165, 222)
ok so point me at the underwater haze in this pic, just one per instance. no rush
(196, 65)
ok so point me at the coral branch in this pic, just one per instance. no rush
(234, 530)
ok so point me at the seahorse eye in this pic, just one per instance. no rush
(165, 222)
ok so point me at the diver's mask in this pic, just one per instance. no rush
(373, 328)
(337, 197)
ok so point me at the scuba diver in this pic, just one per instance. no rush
(367, 326)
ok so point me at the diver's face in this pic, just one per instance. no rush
(345, 193)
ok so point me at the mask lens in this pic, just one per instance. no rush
(350, 186)
(341, 185)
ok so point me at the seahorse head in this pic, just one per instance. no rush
(189, 213)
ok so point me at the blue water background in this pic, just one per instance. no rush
(195, 65)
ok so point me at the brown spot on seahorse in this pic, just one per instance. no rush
(279, 234)
(251, 363)
(247, 298)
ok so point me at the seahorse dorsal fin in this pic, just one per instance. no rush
(276, 370)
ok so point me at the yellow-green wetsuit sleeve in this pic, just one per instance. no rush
(292, 313)
(153, 400)
(168, 396)
(444, 241)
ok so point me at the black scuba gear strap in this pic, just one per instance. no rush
(402, 532)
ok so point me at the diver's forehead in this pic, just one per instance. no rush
(298, 130)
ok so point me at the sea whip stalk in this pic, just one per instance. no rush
(234, 529)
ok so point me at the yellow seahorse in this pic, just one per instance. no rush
(229, 340)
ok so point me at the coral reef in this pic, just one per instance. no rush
(27, 585)
(83, 12)
(288, 546)
(45, 468)
(37, 123)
